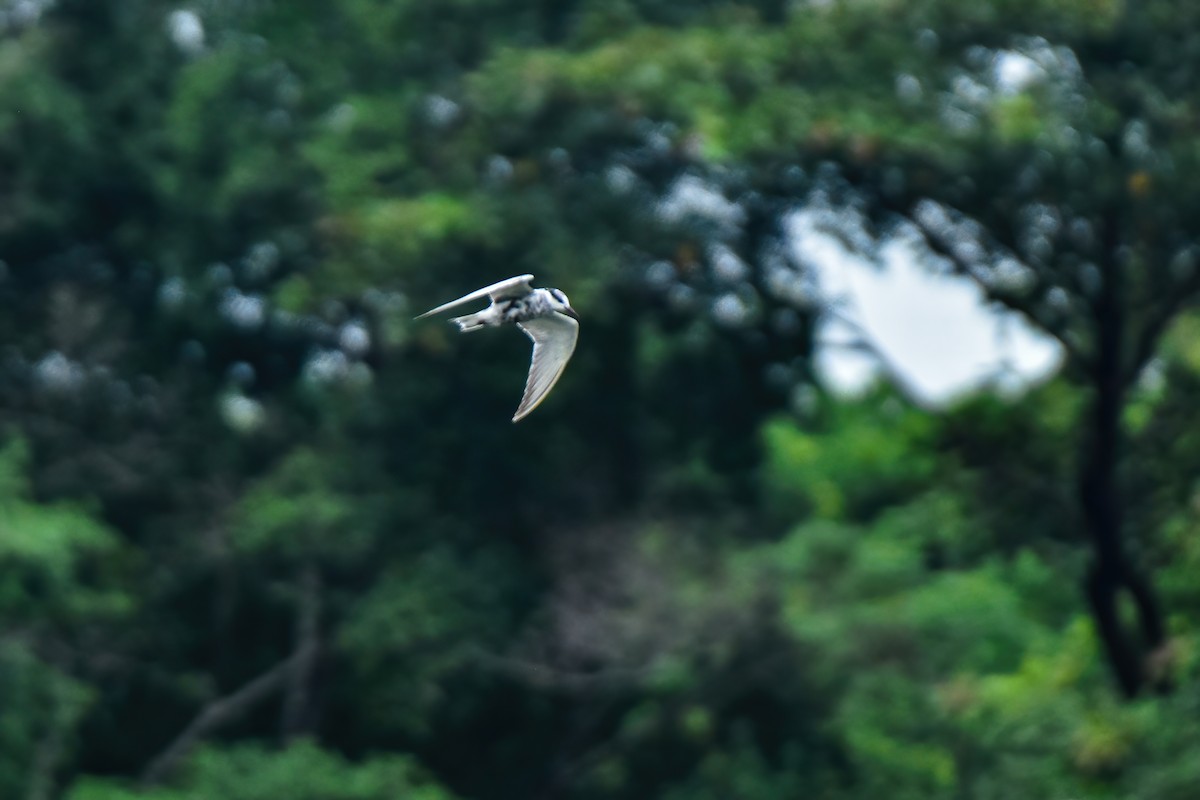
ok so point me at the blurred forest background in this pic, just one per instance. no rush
(262, 536)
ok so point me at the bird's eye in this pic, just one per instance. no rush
(560, 297)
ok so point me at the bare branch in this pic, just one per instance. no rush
(221, 712)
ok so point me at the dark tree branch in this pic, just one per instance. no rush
(1122, 656)
(934, 242)
(1100, 492)
(219, 713)
(297, 699)
(1148, 338)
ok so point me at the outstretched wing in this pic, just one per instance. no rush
(512, 287)
(554, 338)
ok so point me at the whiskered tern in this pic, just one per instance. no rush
(546, 317)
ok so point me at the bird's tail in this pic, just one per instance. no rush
(470, 322)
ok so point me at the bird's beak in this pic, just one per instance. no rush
(570, 312)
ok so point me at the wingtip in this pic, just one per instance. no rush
(523, 412)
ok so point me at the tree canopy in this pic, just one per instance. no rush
(262, 535)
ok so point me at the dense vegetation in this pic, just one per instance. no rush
(262, 536)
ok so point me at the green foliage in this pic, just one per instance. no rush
(59, 588)
(742, 771)
(44, 708)
(302, 771)
(246, 491)
(866, 458)
(57, 561)
(295, 511)
(424, 621)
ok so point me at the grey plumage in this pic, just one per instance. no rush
(546, 317)
(513, 287)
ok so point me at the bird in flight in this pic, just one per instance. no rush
(546, 317)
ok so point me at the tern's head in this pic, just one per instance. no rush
(561, 304)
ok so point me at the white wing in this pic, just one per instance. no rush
(512, 287)
(554, 340)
